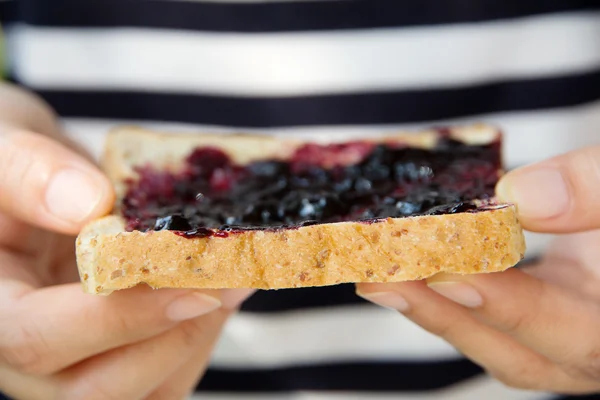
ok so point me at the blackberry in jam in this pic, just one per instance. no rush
(173, 223)
(320, 184)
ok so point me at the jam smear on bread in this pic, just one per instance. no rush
(354, 181)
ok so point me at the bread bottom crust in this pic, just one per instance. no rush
(390, 250)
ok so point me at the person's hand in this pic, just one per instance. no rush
(57, 342)
(536, 328)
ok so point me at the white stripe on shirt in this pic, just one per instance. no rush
(306, 62)
(325, 335)
(530, 136)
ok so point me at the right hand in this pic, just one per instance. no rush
(56, 342)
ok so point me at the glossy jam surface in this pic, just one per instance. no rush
(319, 184)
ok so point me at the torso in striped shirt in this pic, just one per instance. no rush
(311, 68)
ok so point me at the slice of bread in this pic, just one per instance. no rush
(388, 250)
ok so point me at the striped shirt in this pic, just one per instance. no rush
(312, 68)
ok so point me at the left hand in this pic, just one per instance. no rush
(57, 342)
(537, 328)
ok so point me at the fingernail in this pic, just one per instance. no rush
(191, 306)
(459, 292)
(539, 193)
(391, 300)
(71, 195)
(232, 298)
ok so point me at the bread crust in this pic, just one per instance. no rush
(389, 250)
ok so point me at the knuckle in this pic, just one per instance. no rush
(586, 160)
(515, 323)
(26, 352)
(512, 381)
(524, 377)
(518, 320)
(448, 327)
(191, 333)
(12, 166)
(124, 323)
(23, 169)
(443, 330)
(17, 156)
(590, 365)
(90, 389)
(170, 393)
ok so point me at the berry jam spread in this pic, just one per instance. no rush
(356, 181)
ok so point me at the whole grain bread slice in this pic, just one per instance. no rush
(388, 250)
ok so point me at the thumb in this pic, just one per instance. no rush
(558, 195)
(45, 184)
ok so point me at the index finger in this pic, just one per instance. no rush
(548, 319)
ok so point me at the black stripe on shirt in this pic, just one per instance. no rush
(339, 109)
(272, 301)
(277, 16)
(369, 377)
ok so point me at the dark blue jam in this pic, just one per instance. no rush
(215, 197)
